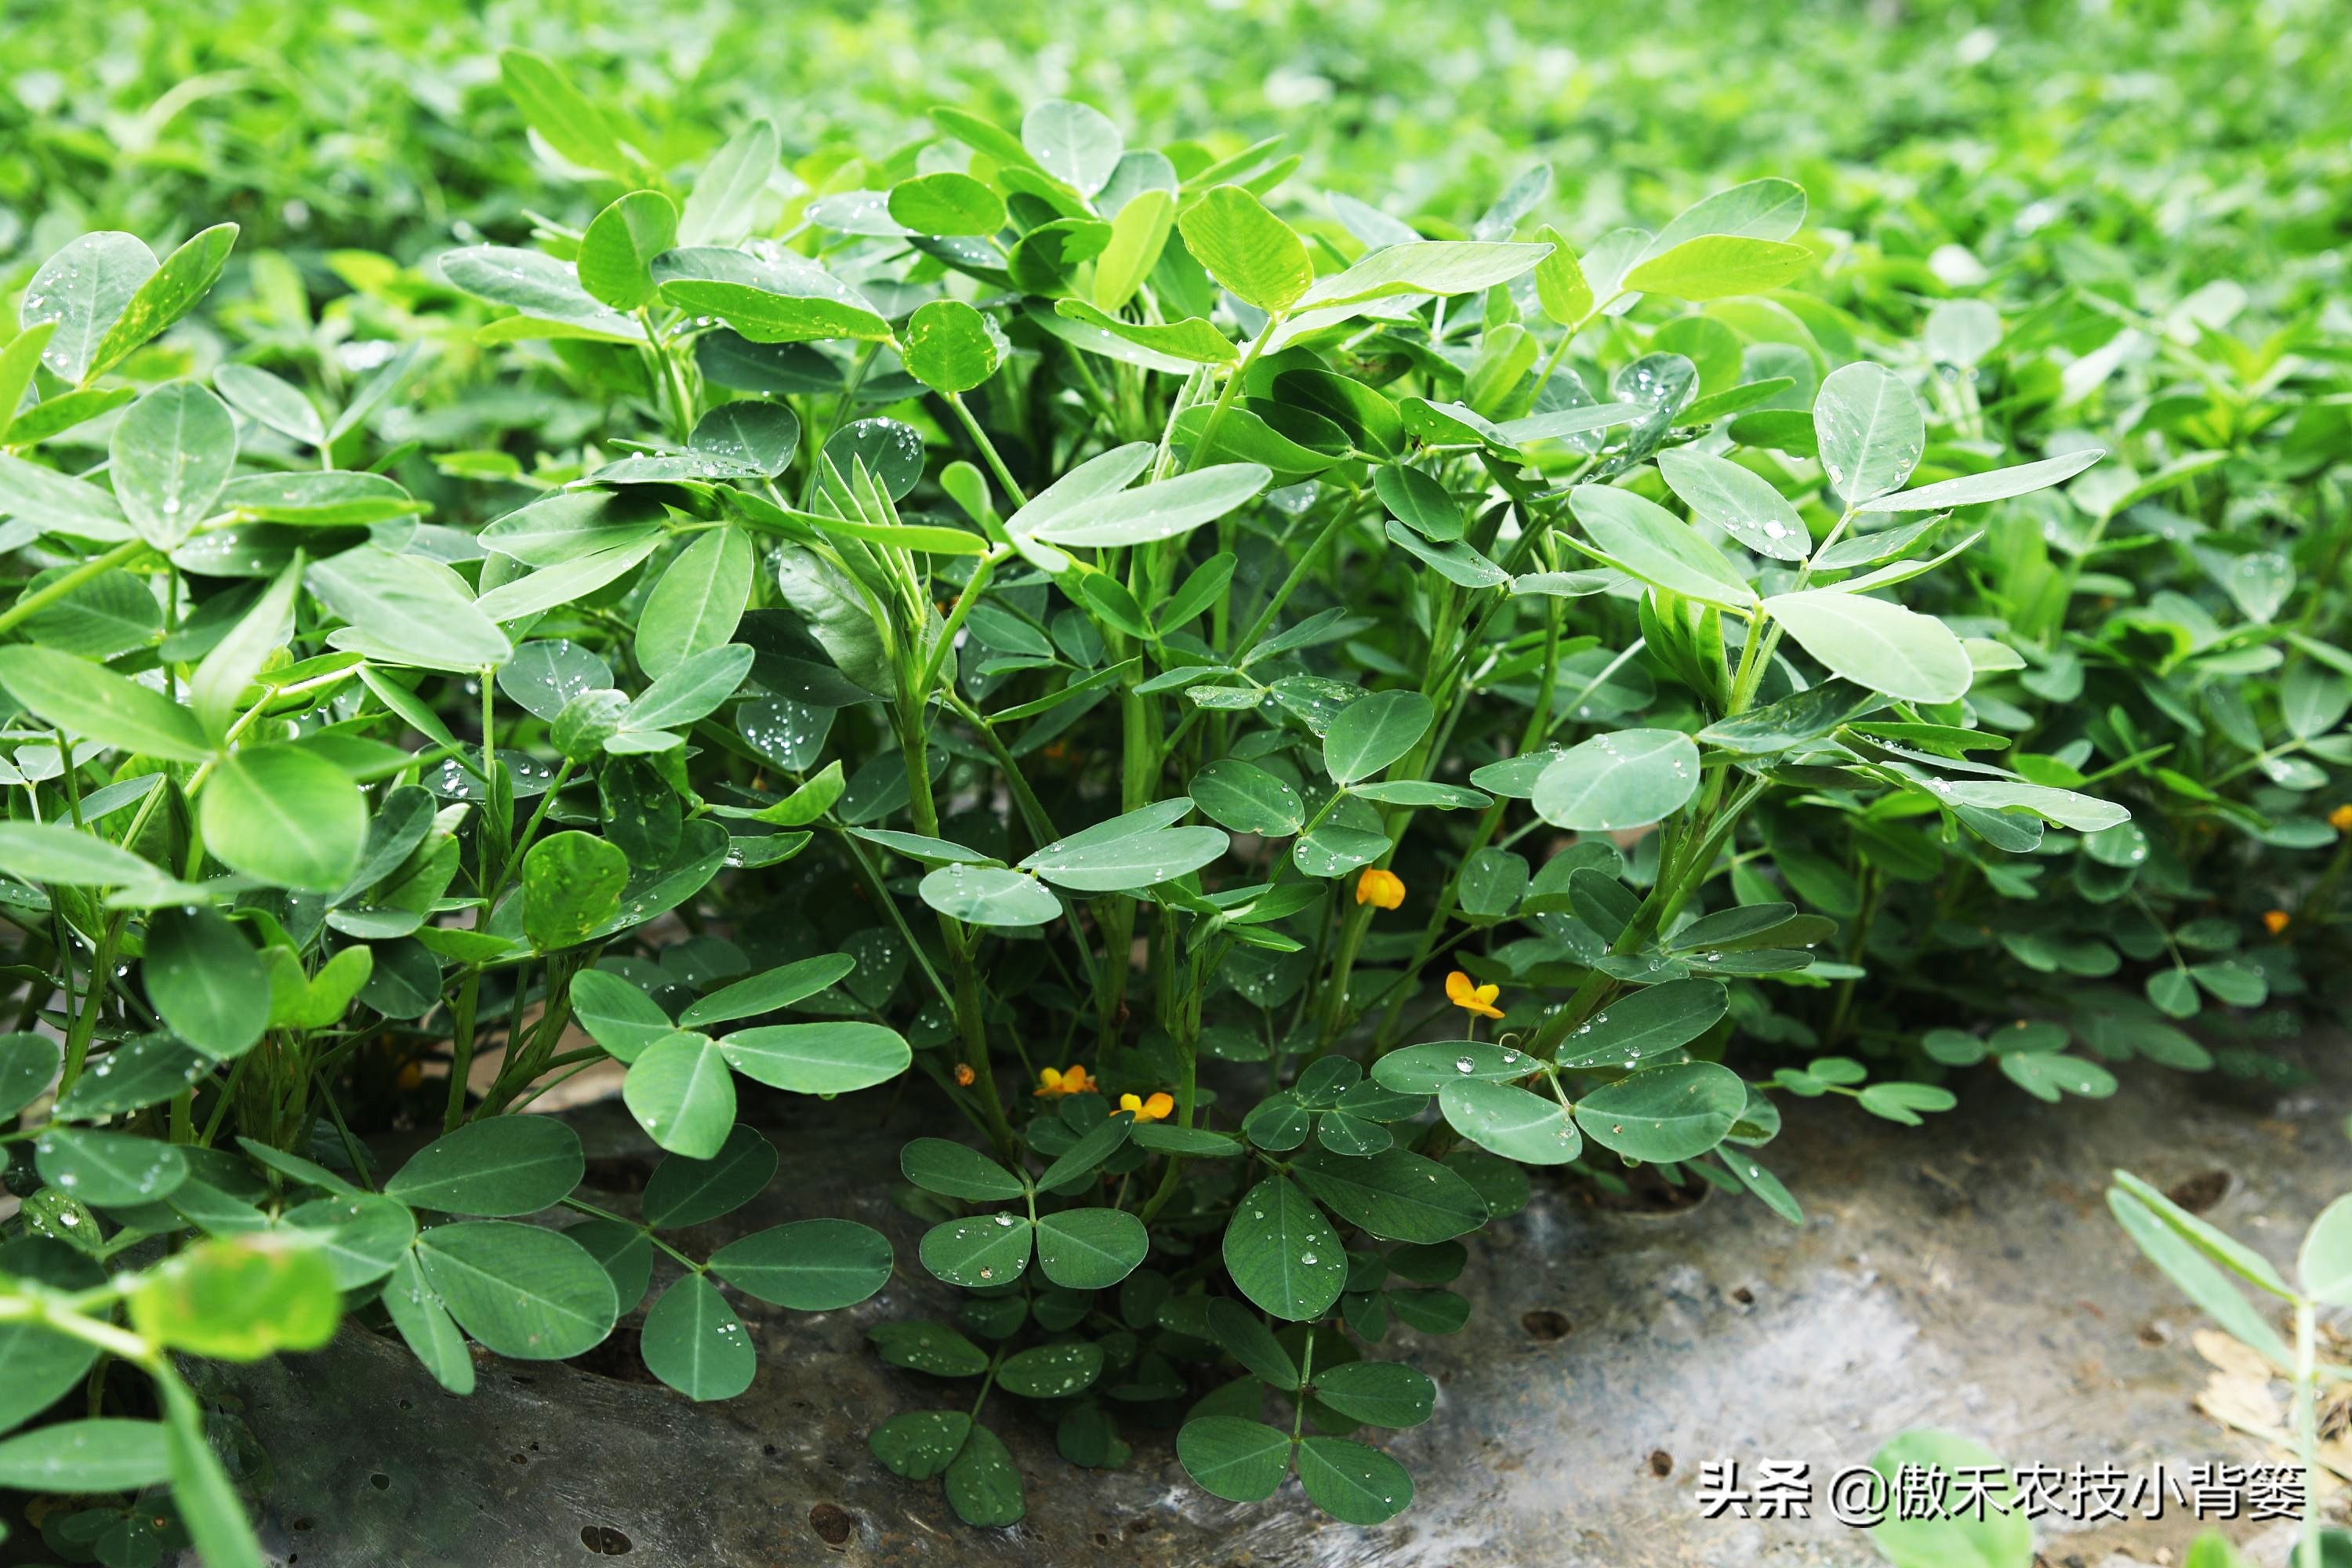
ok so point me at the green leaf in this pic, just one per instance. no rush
(1378, 1393)
(1644, 539)
(616, 253)
(1737, 501)
(558, 586)
(1560, 287)
(983, 1485)
(1154, 511)
(948, 345)
(1762, 209)
(1089, 1248)
(2185, 1257)
(239, 1298)
(572, 884)
(694, 1342)
(502, 1166)
(774, 298)
(286, 815)
(1881, 647)
(1423, 267)
(1283, 1253)
(1870, 433)
(18, 361)
(53, 852)
(683, 1192)
(1074, 142)
(1138, 235)
(108, 1169)
(407, 611)
(2043, 1075)
(1051, 1370)
(1194, 338)
(90, 701)
(106, 1455)
(57, 503)
(989, 895)
(425, 1326)
(521, 1291)
(946, 204)
(362, 1236)
(1128, 864)
(617, 1014)
(2082, 813)
(1427, 1069)
(1369, 734)
(683, 1096)
(1247, 799)
(1233, 1458)
(84, 287)
(1996, 1535)
(320, 498)
(1246, 248)
(28, 1065)
(272, 401)
(917, 1445)
(38, 1367)
(934, 1348)
(832, 1058)
(575, 128)
(217, 688)
(205, 980)
(692, 689)
(768, 992)
(987, 1249)
(172, 452)
(1455, 561)
(1394, 1195)
(1627, 779)
(1252, 1344)
(167, 294)
(1677, 1112)
(1533, 1129)
(2000, 484)
(2325, 1262)
(1651, 1021)
(698, 601)
(1764, 1184)
(720, 206)
(937, 1165)
(1718, 266)
(1353, 1483)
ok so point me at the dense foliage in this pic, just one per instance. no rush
(1288, 707)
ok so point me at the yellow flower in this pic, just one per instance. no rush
(1053, 1083)
(1470, 998)
(1156, 1109)
(964, 1075)
(2340, 818)
(1383, 889)
(2276, 922)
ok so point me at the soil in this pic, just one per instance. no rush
(1964, 1275)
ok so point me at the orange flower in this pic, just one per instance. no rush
(963, 1075)
(1382, 890)
(1156, 1109)
(2340, 818)
(1052, 1084)
(1471, 998)
(411, 1074)
(2276, 922)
